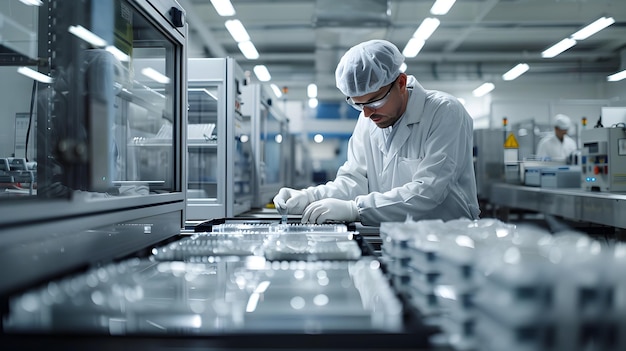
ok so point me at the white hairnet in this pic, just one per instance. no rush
(367, 67)
(562, 122)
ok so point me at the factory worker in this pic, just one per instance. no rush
(557, 146)
(410, 153)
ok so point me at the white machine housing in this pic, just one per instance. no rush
(603, 159)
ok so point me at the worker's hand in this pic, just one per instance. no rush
(292, 200)
(331, 210)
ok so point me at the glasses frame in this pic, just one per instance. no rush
(375, 104)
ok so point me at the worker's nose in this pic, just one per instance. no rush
(368, 111)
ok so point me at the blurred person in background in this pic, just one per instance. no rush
(557, 146)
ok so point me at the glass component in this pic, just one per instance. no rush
(139, 297)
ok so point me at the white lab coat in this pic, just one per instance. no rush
(551, 148)
(427, 173)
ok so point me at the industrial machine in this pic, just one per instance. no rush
(603, 159)
(270, 128)
(220, 171)
(105, 95)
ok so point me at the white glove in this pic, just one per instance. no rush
(294, 201)
(331, 210)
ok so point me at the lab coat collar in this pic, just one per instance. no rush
(412, 115)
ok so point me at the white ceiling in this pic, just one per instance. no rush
(301, 41)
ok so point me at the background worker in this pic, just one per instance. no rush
(557, 146)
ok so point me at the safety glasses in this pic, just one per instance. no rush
(374, 105)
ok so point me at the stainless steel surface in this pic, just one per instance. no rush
(575, 204)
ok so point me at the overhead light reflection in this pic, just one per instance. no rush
(86, 35)
(30, 73)
(155, 75)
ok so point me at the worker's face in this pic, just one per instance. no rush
(393, 103)
(560, 133)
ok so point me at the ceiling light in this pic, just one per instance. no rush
(616, 76)
(30, 73)
(593, 28)
(276, 90)
(87, 36)
(516, 71)
(413, 47)
(248, 50)
(313, 102)
(311, 90)
(558, 48)
(262, 73)
(237, 30)
(318, 138)
(223, 7)
(426, 29)
(403, 66)
(441, 7)
(483, 89)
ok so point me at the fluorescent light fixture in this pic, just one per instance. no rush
(413, 47)
(441, 7)
(30, 73)
(593, 28)
(616, 76)
(516, 71)
(484, 89)
(311, 90)
(403, 67)
(32, 2)
(427, 28)
(155, 75)
(87, 36)
(237, 30)
(313, 102)
(223, 7)
(117, 53)
(558, 48)
(248, 50)
(276, 90)
(262, 73)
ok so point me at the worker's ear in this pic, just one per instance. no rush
(402, 78)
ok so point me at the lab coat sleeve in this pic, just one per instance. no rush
(446, 153)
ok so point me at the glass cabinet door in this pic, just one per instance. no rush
(202, 162)
(92, 101)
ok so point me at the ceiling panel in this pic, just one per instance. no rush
(301, 41)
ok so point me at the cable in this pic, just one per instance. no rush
(30, 117)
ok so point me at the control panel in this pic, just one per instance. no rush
(603, 159)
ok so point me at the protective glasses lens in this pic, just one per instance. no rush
(374, 105)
